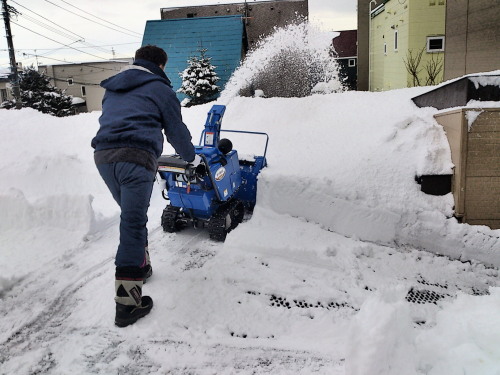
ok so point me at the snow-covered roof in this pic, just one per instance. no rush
(459, 91)
(4, 73)
(77, 100)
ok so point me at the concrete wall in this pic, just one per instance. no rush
(260, 17)
(472, 37)
(475, 149)
(86, 79)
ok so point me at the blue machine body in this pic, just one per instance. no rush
(224, 178)
(219, 185)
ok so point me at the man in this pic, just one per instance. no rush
(138, 104)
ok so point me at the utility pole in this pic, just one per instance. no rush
(12, 55)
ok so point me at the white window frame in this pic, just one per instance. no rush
(429, 38)
(83, 90)
(351, 63)
(396, 40)
(70, 81)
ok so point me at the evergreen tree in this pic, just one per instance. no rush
(199, 80)
(37, 93)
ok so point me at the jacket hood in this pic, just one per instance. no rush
(133, 76)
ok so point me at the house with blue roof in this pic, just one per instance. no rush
(223, 37)
(227, 31)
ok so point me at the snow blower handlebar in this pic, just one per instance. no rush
(212, 131)
(175, 164)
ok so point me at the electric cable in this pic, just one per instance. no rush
(70, 62)
(50, 28)
(39, 15)
(79, 15)
(102, 19)
(46, 37)
(79, 83)
(50, 49)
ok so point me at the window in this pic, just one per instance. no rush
(435, 43)
(191, 15)
(385, 48)
(84, 91)
(70, 81)
(395, 40)
(351, 62)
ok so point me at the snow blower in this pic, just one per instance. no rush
(218, 192)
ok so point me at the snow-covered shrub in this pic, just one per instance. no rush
(38, 93)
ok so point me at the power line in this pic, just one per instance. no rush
(46, 37)
(50, 28)
(39, 15)
(50, 49)
(79, 15)
(44, 55)
(80, 83)
(99, 18)
(70, 62)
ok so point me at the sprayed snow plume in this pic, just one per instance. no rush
(291, 62)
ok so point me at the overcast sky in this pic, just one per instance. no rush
(125, 21)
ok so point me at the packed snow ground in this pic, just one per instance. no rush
(345, 266)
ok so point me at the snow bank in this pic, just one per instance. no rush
(464, 339)
(353, 171)
(73, 213)
(47, 187)
(382, 337)
(333, 235)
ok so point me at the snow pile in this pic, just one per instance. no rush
(382, 338)
(485, 80)
(323, 278)
(467, 328)
(4, 72)
(353, 171)
(46, 187)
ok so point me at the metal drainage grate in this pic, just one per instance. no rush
(421, 280)
(283, 302)
(423, 296)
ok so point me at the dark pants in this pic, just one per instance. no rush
(131, 186)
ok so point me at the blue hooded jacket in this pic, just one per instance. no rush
(138, 104)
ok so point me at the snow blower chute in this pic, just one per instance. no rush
(216, 193)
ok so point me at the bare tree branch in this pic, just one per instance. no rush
(433, 67)
(412, 64)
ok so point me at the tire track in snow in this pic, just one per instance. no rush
(40, 291)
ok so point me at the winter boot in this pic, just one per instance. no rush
(130, 304)
(147, 269)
